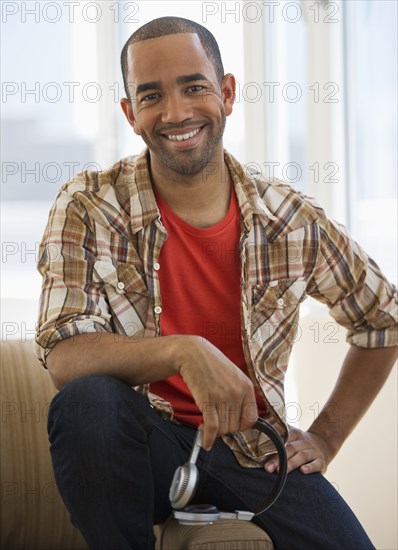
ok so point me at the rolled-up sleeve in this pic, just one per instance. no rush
(72, 300)
(350, 283)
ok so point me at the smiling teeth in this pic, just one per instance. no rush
(183, 137)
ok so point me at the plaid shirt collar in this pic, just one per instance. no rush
(250, 202)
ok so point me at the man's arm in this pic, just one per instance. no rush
(362, 375)
(134, 360)
(360, 299)
(223, 393)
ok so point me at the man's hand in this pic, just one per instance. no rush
(223, 393)
(305, 450)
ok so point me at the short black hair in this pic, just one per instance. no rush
(164, 26)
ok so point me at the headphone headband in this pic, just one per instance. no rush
(185, 478)
(276, 439)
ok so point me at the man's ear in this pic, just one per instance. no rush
(228, 90)
(127, 109)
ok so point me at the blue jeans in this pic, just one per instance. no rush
(114, 458)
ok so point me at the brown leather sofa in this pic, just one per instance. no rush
(33, 515)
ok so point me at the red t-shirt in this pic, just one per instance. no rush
(200, 286)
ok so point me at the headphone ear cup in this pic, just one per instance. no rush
(197, 514)
(183, 485)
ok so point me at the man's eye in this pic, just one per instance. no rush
(196, 88)
(149, 97)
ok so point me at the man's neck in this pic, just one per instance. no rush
(201, 199)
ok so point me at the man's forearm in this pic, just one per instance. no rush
(363, 374)
(217, 385)
(134, 360)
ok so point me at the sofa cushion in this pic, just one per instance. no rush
(33, 514)
(221, 535)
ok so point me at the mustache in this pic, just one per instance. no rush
(182, 126)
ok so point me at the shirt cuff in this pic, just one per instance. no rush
(383, 338)
(47, 338)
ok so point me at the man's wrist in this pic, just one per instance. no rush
(176, 350)
(331, 436)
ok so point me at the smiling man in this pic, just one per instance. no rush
(175, 278)
(181, 117)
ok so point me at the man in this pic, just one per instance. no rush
(180, 274)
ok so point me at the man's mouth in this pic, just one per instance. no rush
(183, 137)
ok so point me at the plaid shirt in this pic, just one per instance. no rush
(104, 237)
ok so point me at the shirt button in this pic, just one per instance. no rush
(158, 309)
(156, 266)
(120, 285)
(280, 302)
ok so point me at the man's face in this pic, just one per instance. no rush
(177, 105)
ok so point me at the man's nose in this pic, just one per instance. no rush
(176, 109)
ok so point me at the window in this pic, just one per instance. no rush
(50, 127)
(370, 33)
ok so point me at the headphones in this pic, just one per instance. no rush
(186, 476)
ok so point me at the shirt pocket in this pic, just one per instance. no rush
(277, 303)
(127, 295)
(120, 278)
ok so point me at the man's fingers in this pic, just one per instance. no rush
(249, 412)
(210, 428)
(317, 465)
(229, 414)
(303, 451)
(242, 416)
(272, 464)
(222, 417)
(305, 460)
(209, 436)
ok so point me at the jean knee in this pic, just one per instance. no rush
(91, 406)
